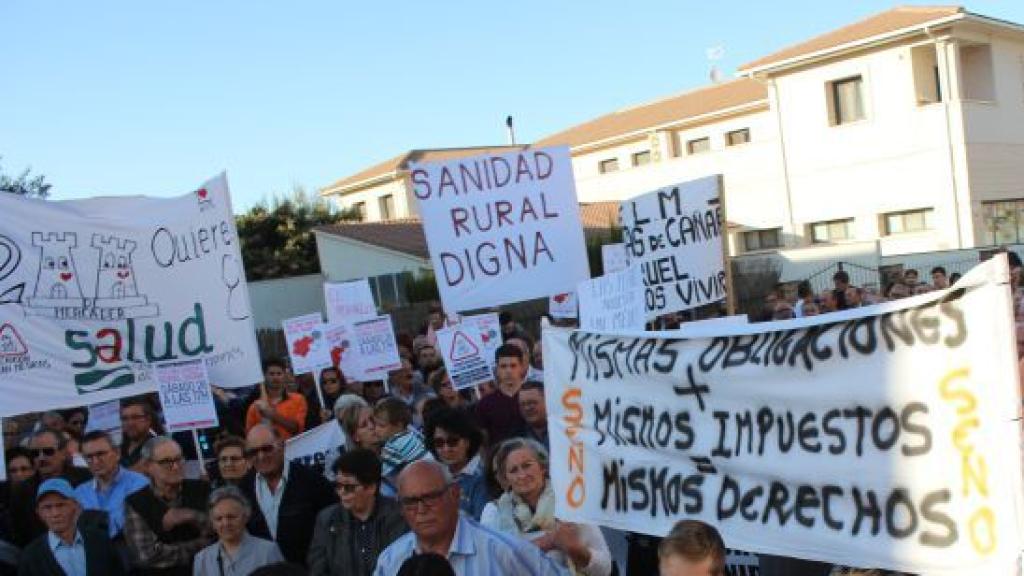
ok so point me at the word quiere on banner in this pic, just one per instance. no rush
(169, 247)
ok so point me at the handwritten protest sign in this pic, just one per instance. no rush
(464, 354)
(90, 289)
(104, 416)
(675, 236)
(885, 436)
(343, 354)
(490, 333)
(374, 342)
(185, 395)
(501, 228)
(349, 301)
(614, 301)
(613, 257)
(307, 346)
(317, 448)
(563, 306)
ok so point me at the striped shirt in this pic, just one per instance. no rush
(476, 551)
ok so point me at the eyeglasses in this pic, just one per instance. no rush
(169, 463)
(257, 450)
(89, 456)
(37, 452)
(346, 488)
(430, 499)
(449, 442)
(529, 464)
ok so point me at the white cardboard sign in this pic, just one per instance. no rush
(349, 301)
(614, 301)
(613, 257)
(675, 235)
(307, 346)
(490, 334)
(374, 342)
(185, 395)
(563, 305)
(104, 416)
(464, 354)
(317, 448)
(885, 436)
(339, 338)
(501, 228)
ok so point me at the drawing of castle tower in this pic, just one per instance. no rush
(115, 276)
(57, 279)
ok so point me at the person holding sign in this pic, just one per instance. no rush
(527, 509)
(498, 413)
(285, 410)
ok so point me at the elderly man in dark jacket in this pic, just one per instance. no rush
(349, 536)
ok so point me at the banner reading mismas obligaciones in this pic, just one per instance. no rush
(502, 228)
(94, 291)
(886, 436)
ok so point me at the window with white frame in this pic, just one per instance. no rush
(1004, 221)
(387, 207)
(762, 239)
(737, 137)
(845, 100)
(608, 165)
(907, 221)
(641, 158)
(831, 231)
(698, 145)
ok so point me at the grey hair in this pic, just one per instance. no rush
(346, 400)
(230, 493)
(62, 439)
(511, 445)
(149, 448)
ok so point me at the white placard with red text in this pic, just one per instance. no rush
(374, 342)
(307, 346)
(185, 395)
(349, 301)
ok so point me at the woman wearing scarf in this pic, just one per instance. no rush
(527, 509)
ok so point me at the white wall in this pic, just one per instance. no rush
(371, 196)
(342, 260)
(283, 298)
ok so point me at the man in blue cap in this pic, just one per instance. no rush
(66, 549)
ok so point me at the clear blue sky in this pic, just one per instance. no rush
(117, 97)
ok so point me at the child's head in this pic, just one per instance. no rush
(391, 416)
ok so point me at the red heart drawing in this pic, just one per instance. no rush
(561, 298)
(65, 276)
(336, 355)
(302, 345)
(484, 337)
(202, 193)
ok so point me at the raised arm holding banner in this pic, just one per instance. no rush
(887, 436)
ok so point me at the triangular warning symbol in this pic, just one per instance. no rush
(11, 343)
(462, 347)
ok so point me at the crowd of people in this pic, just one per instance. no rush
(432, 480)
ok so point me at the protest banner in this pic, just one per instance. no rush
(501, 228)
(307, 346)
(374, 342)
(490, 334)
(614, 301)
(339, 338)
(563, 306)
(185, 395)
(317, 448)
(886, 436)
(465, 356)
(613, 258)
(675, 235)
(91, 288)
(349, 301)
(104, 416)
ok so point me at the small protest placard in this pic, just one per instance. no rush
(613, 257)
(349, 301)
(104, 416)
(374, 342)
(344, 355)
(675, 236)
(490, 334)
(307, 346)
(562, 306)
(464, 356)
(185, 395)
(613, 302)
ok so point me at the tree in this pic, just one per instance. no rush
(30, 186)
(277, 237)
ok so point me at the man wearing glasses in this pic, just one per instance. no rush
(165, 522)
(430, 503)
(137, 420)
(287, 496)
(351, 535)
(49, 453)
(110, 486)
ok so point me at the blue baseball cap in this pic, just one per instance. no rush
(56, 485)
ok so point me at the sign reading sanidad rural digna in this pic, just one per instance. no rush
(885, 436)
(675, 235)
(502, 228)
(91, 290)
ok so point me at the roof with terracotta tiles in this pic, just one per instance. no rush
(889, 21)
(405, 235)
(695, 103)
